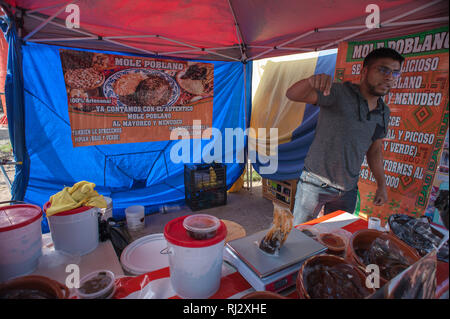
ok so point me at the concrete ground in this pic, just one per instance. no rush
(5, 194)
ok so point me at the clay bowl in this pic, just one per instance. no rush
(363, 239)
(33, 287)
(263, 295)
(335, 243)
(326, 260)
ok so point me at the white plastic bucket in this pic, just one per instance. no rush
(20, 240)
(195, 272)
(75, 232)
(135, 216)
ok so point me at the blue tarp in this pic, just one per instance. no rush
(15, 107)
(291, 155)
(133, 173)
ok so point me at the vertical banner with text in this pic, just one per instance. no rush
(419, 120)
(116, 99)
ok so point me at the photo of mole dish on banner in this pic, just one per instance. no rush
(119, 99)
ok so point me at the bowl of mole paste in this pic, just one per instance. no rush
(370, 246)
(335, 243)
(331, 277)
(99, 284)
(33, 287)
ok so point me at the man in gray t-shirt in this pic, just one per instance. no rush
(353, 120)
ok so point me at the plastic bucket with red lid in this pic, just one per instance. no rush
(195, 264)
(74, 231)
(20, 240)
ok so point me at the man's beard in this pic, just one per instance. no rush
(372, 90)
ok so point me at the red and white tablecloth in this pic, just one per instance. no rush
(156, 284)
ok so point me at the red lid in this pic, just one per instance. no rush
(78, 210)
(176, 234)
(17, 216)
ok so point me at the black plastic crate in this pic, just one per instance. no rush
(205, 185)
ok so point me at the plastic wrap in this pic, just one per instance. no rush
(387, 255)
(278, 233)
(417, 282)
(417, 233)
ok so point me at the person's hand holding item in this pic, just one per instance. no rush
(321, 82)
(380, 196)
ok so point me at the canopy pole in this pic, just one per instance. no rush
(63, 39)
(62, 26)
(394, 24)
(131, 47)
(91, 35)
(238, 34)
(283, 48)
(198, 48)
(109, 39)
(49, 7)
(282, 44)
(247, 166)
(43, 24)
(130, 36)
(381, 24)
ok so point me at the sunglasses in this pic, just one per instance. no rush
(386, 71)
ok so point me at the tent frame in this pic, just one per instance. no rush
(213, 51)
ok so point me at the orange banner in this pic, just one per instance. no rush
(419, 120)
(116, 99)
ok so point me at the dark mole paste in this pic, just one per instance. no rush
(334, 282)
(95, 284)
(25, 294)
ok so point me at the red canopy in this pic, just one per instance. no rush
(221, 29)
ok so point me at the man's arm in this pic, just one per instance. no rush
(375, 160)
(305, 90)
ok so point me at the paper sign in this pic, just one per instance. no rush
(116, 99)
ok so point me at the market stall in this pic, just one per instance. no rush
(94, 105)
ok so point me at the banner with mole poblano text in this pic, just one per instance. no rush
(418, 101)
(116, 99)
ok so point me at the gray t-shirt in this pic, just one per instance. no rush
(344, 132)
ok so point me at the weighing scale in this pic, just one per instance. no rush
(265, 272)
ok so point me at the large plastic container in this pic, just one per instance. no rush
(75, 231)
(195, 264)
(20, 240)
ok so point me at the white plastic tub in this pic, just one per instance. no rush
(195, 265)
(20, 240)
(75, 231)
